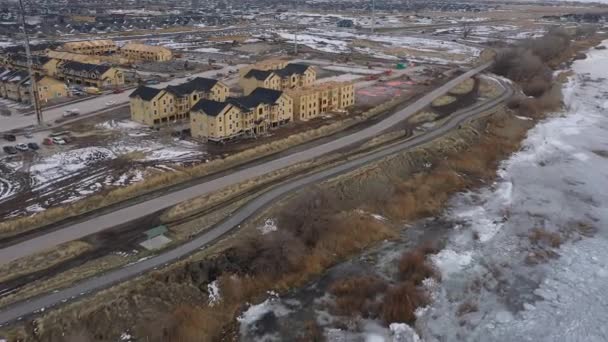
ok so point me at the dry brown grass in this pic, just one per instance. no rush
(464, 87)
(357, 295)
(43, 260)
(400, 303)
(543, 238)
(414, 267)
(466, 307)
(443, 101)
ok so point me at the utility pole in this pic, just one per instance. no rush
(28, 53)
(373, 15)
(295, 36)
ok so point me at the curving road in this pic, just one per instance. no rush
(28, 307)
(127, 214)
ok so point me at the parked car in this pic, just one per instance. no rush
(67, 139)
(118, 91)
(33, 146)
(28, 134)
(152, 82)
(71, 112)
(10, 137)
(21, 147)
(47, 141)
(58, 141)
(9, 150)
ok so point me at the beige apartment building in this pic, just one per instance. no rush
(253, 114)
(41, 65)
(48, 89)
(269, 64)
(143, 52)
(92, 47)
(310, 102)
(156, 107)
(90, 75)
(289, 76)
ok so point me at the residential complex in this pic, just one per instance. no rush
(155, 107)
(92, 47)
(143, 52)
(254, 114)
(41, 65)
(287, 76)
(16, 86)
(90, 74)
(312, 101)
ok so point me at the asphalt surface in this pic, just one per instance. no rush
(33, 305)
(124, 215)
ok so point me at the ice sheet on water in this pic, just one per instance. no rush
(555, 182)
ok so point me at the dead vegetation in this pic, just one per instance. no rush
(543, 238)
(414, 266)
(358, 296)
(401, 302)
(43, 260)
(464, 87)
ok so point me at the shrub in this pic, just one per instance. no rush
(356, 295)
(414, 267)
(400, 303)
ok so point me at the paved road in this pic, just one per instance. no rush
(113, 277)
(125, 215)
(95, 105)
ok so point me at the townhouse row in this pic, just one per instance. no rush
(131, 51)
(155, 107)
(277, 75)
(71, 72)
(16, 85)
(215, 116)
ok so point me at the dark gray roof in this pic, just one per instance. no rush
(197, 84)
(210, 107)
(36, 60)
(258, 96)
(17, 76)
(260, 75)
(145, 93)
(86, 67)
(292, 69)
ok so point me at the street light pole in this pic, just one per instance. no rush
(28, 54)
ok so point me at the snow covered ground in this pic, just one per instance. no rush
(556, 183)
(58, 175)
(498, 283)
(414, 48)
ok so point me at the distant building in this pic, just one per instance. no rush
(48, 89)
(11, 84)
(287, 77)
(310, 102)
(143, 52)
(41, 65)
(91, 47)
(346, 23)
(253, 114)
(155, 107)
(269, 64)
(91, 75)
